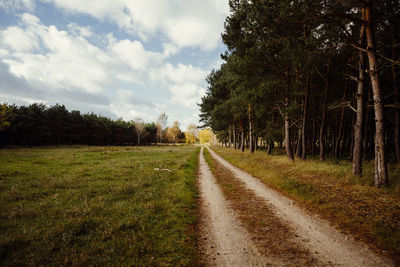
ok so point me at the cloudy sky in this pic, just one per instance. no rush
(117, 58)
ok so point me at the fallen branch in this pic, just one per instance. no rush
(158, 169)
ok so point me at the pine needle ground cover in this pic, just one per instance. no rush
(352, 204)
(98, 206)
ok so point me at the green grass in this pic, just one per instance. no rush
(351, 203)
(98, 206)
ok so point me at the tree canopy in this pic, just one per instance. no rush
(294, 75)
(40, 125)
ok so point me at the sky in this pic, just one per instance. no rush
(116, 58)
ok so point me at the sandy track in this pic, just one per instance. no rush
(225, 242)
(331, 246)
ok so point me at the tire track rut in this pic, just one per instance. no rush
(225, 242)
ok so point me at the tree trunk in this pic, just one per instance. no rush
(288, 147)
(344, 138)
(242, 138)
(340, 131)
(234, 137)
(324, 113)
(381, 172)
(251, 143)
(367, 126)
(313, 137)
(314, 132)
(322, 137)
(371, 144)
(230, 136)
(298, 143)
(396, 114)
(304, 126)
(270, 147)
(352, 139)
(358, 126)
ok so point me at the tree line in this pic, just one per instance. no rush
(320, 78)
(39, 125)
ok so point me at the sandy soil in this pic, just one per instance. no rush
(318, 236)
(225, 242)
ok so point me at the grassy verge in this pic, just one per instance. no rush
(98, 206)
(330, 190)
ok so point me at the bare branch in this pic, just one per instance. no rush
(280, 111)
(342, 105)
(351, 66)
(295, 123)
(396, 62)
(352, 78)
(348, 104)
(359, 48)
(320, 74)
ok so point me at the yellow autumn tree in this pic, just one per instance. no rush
(5, 116)
(161, 123)
(173, 132)
(205, 136)
(191, 134)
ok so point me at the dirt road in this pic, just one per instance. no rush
(225, 241)
(228, 243)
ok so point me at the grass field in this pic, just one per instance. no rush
(98, 206)
(351, 203)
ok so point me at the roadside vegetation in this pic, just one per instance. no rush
(98, 206)
(333, 192)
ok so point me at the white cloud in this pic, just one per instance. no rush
(189, 31)
(16, 39)
(69, 61)
(170, 49)
(29, 19)
(10, 5)
(190, 23)
(186, 94)
(19, 88)
(134, 54)
(4, 53)
(21, 100)
(129, 105)
(183, 73)
(63, 66)
(78, 30)
(128, 98)
(185, 82)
